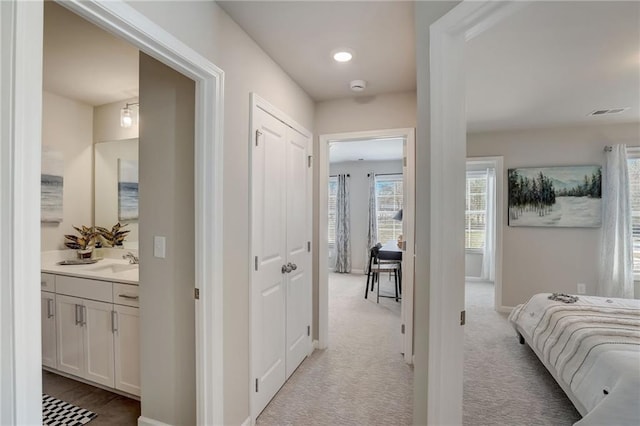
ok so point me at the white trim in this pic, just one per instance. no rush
(20, 150)
(357, 271)
(146, 421)
(127, 23)
(247, 422)
(448, 155)
(315, 344)
(505, 309)
(409, 215)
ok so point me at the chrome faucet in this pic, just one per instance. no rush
(133, 260)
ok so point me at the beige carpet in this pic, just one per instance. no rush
(361, 379)
(504, 382)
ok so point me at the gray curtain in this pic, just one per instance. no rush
(372, 232)
(343, 225)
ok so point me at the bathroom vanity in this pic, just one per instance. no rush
(90, 322)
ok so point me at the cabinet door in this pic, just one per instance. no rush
(69, 335)
(127, 348)
(98, 342)
(48, 319)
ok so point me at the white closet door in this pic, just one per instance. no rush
(298, 281)
(269, 249)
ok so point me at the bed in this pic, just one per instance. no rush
(592, 349)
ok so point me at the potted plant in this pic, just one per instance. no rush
(116, 236)
(84, 243)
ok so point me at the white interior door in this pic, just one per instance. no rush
(298, 281)
(269, 250)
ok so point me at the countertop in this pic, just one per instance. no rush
(107, 269)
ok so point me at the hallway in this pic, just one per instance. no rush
(361, 379)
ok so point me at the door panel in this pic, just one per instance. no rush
(127, 349)
(69, 334)
(48, 318)
(98, 337)
(299, 280)
(269, 245)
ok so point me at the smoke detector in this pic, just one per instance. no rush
(358, 85)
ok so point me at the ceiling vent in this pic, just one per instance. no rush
(609, 111)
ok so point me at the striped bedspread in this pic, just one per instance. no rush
(593, 348)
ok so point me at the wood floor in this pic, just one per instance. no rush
(111, 408)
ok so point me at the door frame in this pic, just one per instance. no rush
(448, 126)
(257, 102)
(20, 126)
(498, 164)
(408, 214)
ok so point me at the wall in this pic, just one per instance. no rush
(549, 259)
(209, 30)
(167, 311)
(425, 13)
(67, 126)
(106, 128)
(359, 190)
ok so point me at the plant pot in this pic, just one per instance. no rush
(85, 254)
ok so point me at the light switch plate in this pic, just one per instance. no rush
(159, 247)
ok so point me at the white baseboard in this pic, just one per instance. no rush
(145, 421)
(357, 271)
(505, 309)
(315, 344)
(247, 422)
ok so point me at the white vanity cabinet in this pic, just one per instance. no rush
(93, 338)
(48, 318)
(127, 348)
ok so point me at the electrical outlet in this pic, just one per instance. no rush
(582, 288)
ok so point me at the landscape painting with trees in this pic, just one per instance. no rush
(556, 196)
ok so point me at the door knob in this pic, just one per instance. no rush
(286, 269)
(293, 266)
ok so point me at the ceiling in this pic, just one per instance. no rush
(84, 62)
(552, 64)
(301, 36)
(548, 65)
(366, 150)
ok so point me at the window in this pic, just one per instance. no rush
(475, 211)
(333, 190)
(388, 203)
(633, 155)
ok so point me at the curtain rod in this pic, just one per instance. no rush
(385, 174)
(348, 175)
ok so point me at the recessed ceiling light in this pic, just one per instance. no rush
(342, 56)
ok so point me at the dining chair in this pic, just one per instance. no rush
(375, 268)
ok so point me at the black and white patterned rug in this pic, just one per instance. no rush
(60, 413)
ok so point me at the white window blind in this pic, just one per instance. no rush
(389, 193)
(333, 190)
(633, 155)
(475, 211)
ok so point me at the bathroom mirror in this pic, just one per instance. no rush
(116, 186)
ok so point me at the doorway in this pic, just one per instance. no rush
(408, 166)
(22, 400)
(483, 225)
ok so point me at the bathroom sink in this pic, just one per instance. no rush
(115, 267)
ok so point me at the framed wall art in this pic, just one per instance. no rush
(568, 196)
